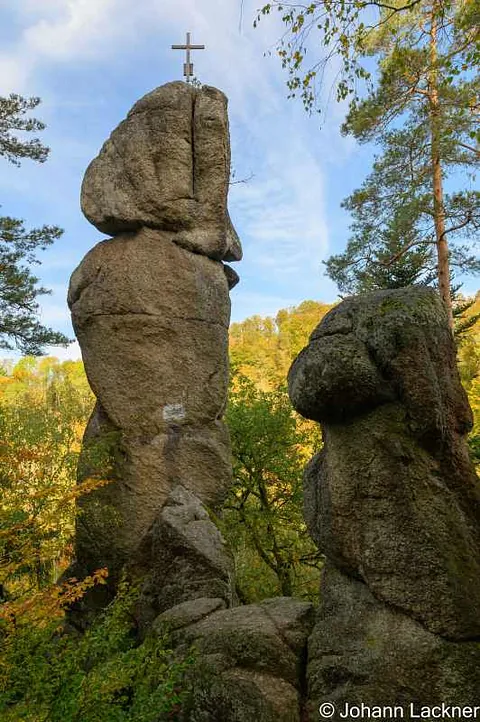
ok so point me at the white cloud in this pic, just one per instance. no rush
(71, 353)
(77, 28)
(73, 30)
(282, 213)
(63, 31)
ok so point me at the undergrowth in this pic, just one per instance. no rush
(104, 675)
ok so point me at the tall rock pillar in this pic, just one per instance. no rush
(150, 308)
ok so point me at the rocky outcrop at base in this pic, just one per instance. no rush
(250, 660)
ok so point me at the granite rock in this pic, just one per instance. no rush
(167, 167)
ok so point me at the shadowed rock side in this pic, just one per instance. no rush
(393, 502)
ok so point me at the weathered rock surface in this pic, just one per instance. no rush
(240, 695)
(251, 659)
(151, 310)
(186, 613)
(183, 557)
(167, 166)
(363, 651)
(392, 500)
(152, 321)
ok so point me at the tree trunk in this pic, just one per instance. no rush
(284, 574)
(443, 263)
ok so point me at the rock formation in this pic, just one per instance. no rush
(393, 501)
(167, 166)
(151, 310)
(250, 659)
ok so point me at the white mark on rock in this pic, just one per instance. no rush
(174, 412)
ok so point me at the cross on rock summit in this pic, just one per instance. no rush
(188, 66)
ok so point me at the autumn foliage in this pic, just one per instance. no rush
(108, 673)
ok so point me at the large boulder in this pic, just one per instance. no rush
(393, 500)
(167, 166)
(249, 661)
(182, 559)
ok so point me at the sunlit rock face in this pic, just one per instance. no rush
(393, 501)
(167, 166)
(151, 309)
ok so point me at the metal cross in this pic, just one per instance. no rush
(188, 66)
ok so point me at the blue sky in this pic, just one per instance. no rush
(90, 60)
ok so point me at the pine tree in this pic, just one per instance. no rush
(19, 289)
(427, 83)
(393, 235)
(424, 113)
